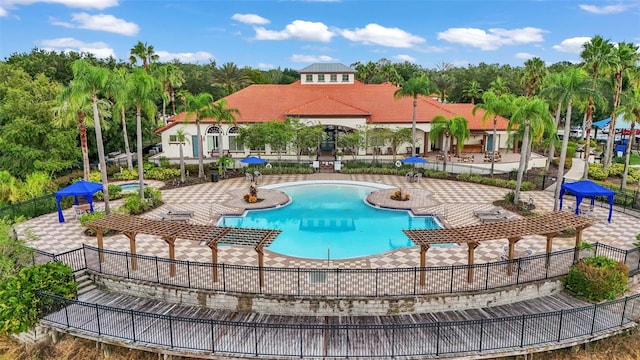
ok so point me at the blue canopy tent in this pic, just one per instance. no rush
(79, 188)
(587, 188)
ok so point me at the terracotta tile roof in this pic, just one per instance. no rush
(374, 102)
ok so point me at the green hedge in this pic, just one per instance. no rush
(598, 278)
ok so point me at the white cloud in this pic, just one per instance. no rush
(524, 55)
(299, 30)
(380, 35)
(604, 10)
(493, 39)
(250, 19)
(3, 12)
(185, 57)
(406, 58)
(99, 49)
(312, 58)
(100, 22)
(266, 66)
(81, 4)
(572, 45)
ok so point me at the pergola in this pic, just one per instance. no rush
(549, 225)
(169, 231)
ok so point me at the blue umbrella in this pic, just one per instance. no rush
(414, 160)
(253, 160)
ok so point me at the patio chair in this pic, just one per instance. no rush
(172, 211)
(586, 212)
(492, 211)
(79, 211)
(489, 218)
(409, 176)
(524, 264)
(417, 177)
(248, 177)
(257, 174)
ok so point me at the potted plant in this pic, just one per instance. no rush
(339, 154)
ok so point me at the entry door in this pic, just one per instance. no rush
(490, 142)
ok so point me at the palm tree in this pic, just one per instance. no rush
(493, 106)
(534, 73)
(182, 137)
(630, 111)
(499, 86)
(143, 52)
(91, 80)
(473, 91)
(170, 77)
(457, 127)
(442, 82)
(119, 92)
(413, 88)
(222, 113)
(143, 87)
(201, 106)
(596, 54)
(624, 56)
(533, 115)
(230, 77)
(572, 85)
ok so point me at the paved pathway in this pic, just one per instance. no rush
(458, 200)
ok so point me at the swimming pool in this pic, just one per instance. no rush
(332, 221)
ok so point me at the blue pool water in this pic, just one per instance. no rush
(332, 220)
(130, 187)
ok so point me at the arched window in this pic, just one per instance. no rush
(213, 138)
(234, 144)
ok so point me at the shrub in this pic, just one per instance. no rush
(95, 176)
(597, 278)
(20, 305)
(597, 172)
(158, 173)
(164, 161)
(115, 192)
(126, 174)
(133, 205)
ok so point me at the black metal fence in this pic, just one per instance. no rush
(31, 208)
(358, 339)
(337, 282)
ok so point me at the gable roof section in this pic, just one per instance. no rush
(326, 106)
(327, 68)
(260, 103)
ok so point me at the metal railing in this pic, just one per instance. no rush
(31, 208)
(337, 282)
(312, 338)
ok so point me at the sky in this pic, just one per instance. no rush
(270, 34)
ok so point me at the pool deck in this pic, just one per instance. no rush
(453, 201)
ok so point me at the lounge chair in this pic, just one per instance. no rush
(172, 211)
(174, 217)
(488, 218)
(492, 211)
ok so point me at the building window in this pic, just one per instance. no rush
(334, 77)
(234, 144)
(345, 77)
(320, 77)
(309, 78)
(174, 139)
(213, 138)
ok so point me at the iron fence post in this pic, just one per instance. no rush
(486, 278)
(213, 337)
(224, 279)
(438, 338)
(451, 284)
(522, 330)
(300, 337)
(171, 331)
(593, 319)
(560, 325)
(189, 273)
(298, 279)
(126, 258)
(255, 337)
(133, 325)
(98, 319)
(624, 310)
(157, 271)
(337, 281)
(66, 314)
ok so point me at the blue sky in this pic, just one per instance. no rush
(295, 33)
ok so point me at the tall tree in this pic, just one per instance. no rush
(142, 92)
(443, 82)
(413, 88)
(630, 111)
(597, 55)
(92, 80)
(199, 106)
(222, 113)
(143, 52)
(457, 127)
(182, 137)
(171, 77)
(572, 85)
(473, 91)
(499, 86)
(624, 56)
(532, 114)
(230, 77)
(493, 106)
(533, 76)
(119, 91)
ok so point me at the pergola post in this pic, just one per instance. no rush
(214, 260)
(423, 263)
(512, 250)
(470, 254)
(576, 253)
(549, 248)
(132, 249)
(260, 252)
(100, 244)
(172, 254)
